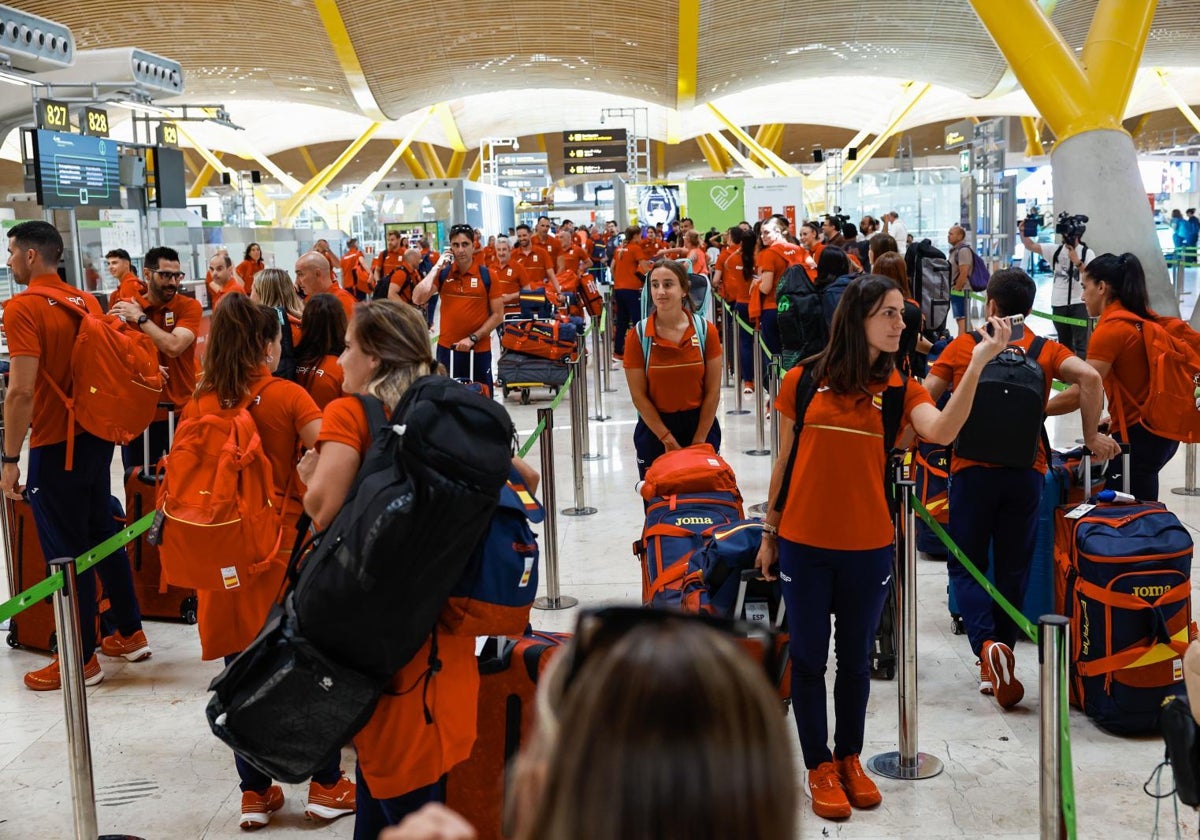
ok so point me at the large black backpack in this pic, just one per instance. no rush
(1005, 426)
(803, 331)
(369, 593)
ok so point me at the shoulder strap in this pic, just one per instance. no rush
(893, 412)
(806, 388)
(377, 416)
(701, 327)
(487, 278)
(58, 296)
(1054, 259)
(1035, 348)
(646, 342)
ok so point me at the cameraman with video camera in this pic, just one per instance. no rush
(1068, 259)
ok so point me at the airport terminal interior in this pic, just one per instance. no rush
(215, 125)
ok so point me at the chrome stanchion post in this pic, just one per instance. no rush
(727, 356)
(553, 600)
(609, 329)
(601, 365)
(734, 342)
(1189, 473)
(1052, 649)
(760, 428)
(581, 374)
(70, 663)
(578, 425)
(906, 763)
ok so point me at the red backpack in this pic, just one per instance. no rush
(216, 501)
(116, 381)
(1170, 409)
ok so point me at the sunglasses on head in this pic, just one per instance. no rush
(600, 629)
(457, 229)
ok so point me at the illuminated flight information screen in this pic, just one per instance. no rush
(73, 170)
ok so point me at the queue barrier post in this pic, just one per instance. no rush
(774, 382)
(578, 428)
(907, 763)
(70, 663)
(580, 393)
(1189, 473)
(727, 355)
(553, 599)
(601, 365)
(760, 420)
(1053, 632)
(732, 343)
(607, 339)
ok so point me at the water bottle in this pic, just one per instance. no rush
(1115, 496)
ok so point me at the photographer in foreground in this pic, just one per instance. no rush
(1066, 261)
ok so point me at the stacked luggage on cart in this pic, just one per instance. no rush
(536, 347)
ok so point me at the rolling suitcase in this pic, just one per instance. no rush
(519, 372)
(508, 675)
(34, 627)
(158, 600)
(1124, 582)
(761, 601)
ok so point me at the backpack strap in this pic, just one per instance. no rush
(377, 416)
(645, 341)
(806, 388)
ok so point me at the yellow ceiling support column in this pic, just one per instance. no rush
(773, 161)
(1033, 138)
(476, 167)
(348, 205)
(688, 47)
(308, 161)
(1139, 126)
(450, 127)
(912, 95)
(660, 159)
(321, 180)
(455, 166)
(1180, 103)
(414, 165)
(733, 151)
(774, 140)
(1073, 94)
(206, 173)
(347, 57)
(433, 163)
(541, 142)
(710, 154)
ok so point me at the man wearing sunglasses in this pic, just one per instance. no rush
(172, 321)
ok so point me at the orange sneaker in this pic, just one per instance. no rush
(860, 790)
(985, 678)
(258, 807)
(329, 803)
(1005, 685)
(828, 798)
(133, 647)
(49, 678)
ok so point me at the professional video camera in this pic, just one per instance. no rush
(838, 219)
(1033, 222)
(1069, 227)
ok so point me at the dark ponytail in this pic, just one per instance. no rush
(749, 242)
(1127, 280)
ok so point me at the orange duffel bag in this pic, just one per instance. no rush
(552, 340)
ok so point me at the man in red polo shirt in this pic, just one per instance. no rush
(314, 277)
(775, 257)
(356, 276)
(387, 263)
(70, 506)
(121, 268)
(509, 276)
(472, 307)
(546, 240)
(535, 261)
(172, 321)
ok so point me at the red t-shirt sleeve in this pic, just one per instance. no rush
(955, 357)
(1107, 341)
(303, 408)
(634, 357)
(914, 395)
(20, 328)
(785, 403)
(344, 422)
(1058, 356)
(190, 315)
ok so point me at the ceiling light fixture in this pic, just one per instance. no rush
(134, 105)
(10, 78)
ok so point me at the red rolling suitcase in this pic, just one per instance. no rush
(33, 628)
(508, 672)
(158, 600)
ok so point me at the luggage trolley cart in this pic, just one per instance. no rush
(535, 351)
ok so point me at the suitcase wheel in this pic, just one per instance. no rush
(187, 610)
(54, 641)
(524, 396)
(11, 638)
(957, 627)
(507, 391)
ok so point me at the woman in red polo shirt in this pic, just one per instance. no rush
(323, 330)
(413, 737)
(1113, 287)
(251, 264)
(244, 351)
(833, 540)
(677, 386)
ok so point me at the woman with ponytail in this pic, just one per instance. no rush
(425, 722)
(1113, 287)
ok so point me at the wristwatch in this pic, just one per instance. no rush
(474, 339)
(143, 318)
(6, 459)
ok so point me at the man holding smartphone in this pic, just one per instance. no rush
(998, 470)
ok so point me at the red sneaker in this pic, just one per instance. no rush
(860, 790)
(828, 798)
(329, 803)
(133, 647)
(49, 678)
(1005, 685)
(258, 807)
